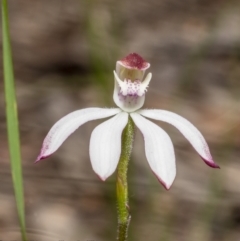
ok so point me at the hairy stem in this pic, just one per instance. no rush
(122, 184)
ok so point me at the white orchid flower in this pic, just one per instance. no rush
(105, 143)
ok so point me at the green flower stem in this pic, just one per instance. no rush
(122, 184)
(12, 119)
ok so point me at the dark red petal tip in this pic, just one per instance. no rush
(167, 187)
(164, 184)
(211, 163)
(134, 60)
(101, 178)
(39, 158)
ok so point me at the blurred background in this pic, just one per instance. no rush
(64, 55)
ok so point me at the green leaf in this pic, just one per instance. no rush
(12, 119)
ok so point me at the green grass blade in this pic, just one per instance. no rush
(12, 119)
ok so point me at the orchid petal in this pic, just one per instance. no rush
(68, 124)
(190, 132)
(159, 150)
(105, 145)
